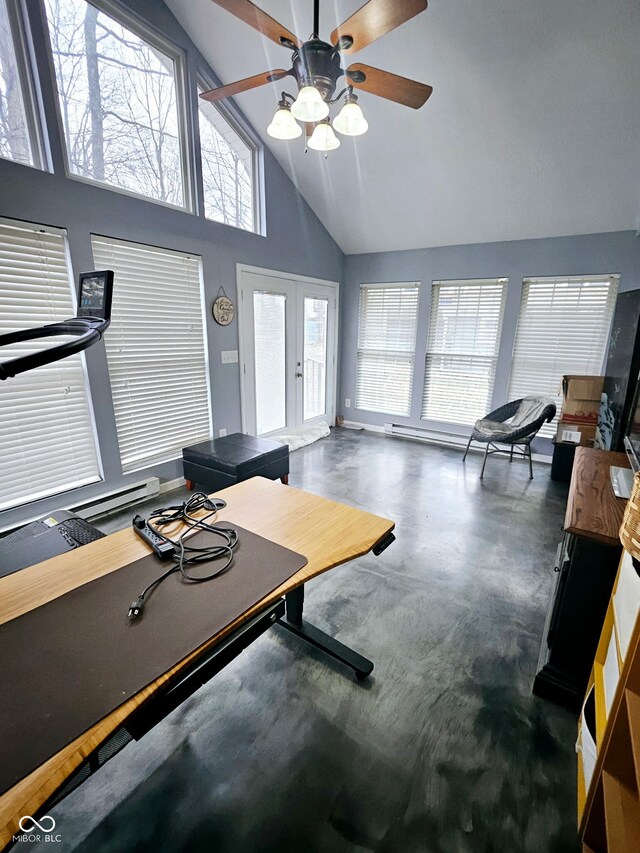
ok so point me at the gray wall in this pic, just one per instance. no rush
(296, 242)
(592, 254)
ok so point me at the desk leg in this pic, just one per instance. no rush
(293, 622)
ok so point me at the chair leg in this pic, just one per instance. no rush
(484, 461)
(467, 450)
(530, 463)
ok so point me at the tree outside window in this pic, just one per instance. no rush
(227, 170)
(118, 103)
(14, 132)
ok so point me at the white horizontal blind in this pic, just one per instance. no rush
(46, 429)
(462, 349)
(156, 351)
(563, 327)
(386, 347)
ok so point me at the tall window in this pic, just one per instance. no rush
(155, 350)
(46, 430)
(462, 349)
(227, 170)
(563, 328)
(119, 103)
(386, 347)
(15, 141)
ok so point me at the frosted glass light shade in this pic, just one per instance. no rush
(283, 125)
(309, 106)
(350, 120)
(323, 138)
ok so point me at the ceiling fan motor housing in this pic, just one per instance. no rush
(317, 63)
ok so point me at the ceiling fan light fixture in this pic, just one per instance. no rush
(283, 125)
(309, 106)
(323, 138)
(350, 121)
(317, 66)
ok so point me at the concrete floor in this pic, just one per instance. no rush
(442, 750)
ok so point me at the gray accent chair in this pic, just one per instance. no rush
(515, 424)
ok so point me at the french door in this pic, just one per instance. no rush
(287, 351)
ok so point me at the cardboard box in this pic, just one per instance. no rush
(582, 387)
(569, 432)
(581, 404)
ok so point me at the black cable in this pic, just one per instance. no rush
(189, 555)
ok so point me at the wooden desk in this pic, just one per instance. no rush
(326, 532)
(593, 510)
(586, 564)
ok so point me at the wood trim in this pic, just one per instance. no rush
(590, 819)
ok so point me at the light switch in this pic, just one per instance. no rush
(229, 356)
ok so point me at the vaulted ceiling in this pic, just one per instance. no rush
(533, 128)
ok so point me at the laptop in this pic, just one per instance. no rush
(56, 533)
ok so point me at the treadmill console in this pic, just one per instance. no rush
(85, 329)
(94, 294)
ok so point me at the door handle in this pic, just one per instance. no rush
(299, 375)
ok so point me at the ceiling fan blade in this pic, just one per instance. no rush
(410, 93)
(242, 85)
(255, 17)
(373, 20)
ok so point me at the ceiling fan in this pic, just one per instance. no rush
(317, 66)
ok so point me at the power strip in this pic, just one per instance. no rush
(160, 546)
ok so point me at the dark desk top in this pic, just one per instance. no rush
(593, 510)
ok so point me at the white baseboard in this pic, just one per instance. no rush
(169, 485)
(357, 425)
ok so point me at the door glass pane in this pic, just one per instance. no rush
(315, 356)
(270, 374)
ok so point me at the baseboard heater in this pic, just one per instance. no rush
(447, 438)
(107, 502)
(431, 435)
(111, 501)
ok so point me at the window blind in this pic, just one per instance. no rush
(462, 349)
(270, 360)
(155, 351)
(46, 428)
(386, 347)
(562, 328)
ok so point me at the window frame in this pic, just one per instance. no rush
(501, 281)
(389, 285)
(29, 89)
(147, 33)
(205, 81)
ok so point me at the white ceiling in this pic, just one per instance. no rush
(533, 128)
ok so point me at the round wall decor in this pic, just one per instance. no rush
(223, 309)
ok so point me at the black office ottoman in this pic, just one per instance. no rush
(221, 462)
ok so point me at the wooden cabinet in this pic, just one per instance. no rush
(583, 577)
(608, 788)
